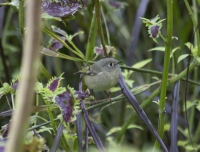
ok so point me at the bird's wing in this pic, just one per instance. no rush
(87, 70)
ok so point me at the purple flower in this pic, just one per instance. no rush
(65, 102)
(15, 85)
(54, 85)
(62, 8)
(82, 95)
(2, 148)
(99, 51)
(154, 31)
(115, 4)
(55, 45)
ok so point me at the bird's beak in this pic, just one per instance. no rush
(118, 62)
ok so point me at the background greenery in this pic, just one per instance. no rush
(118, 24)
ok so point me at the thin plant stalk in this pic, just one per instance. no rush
(165, 71)
(28, 75)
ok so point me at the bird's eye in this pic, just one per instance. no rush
(111, 64)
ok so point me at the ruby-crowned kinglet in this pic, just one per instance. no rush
(102, 75)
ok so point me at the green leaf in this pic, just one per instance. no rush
(182, 143)
(156, 102)
(43, 129)
(157, 49)
(189, 148)
(167, 127)
(115, 89)
(173, 51)
(117, 129)
(189, 45)
(125, 74)
(198, 59)
(14, 3)
(38, 87)
(129, 82)
(182, 57)
(174, 37)
(162, 49)
(49, 17)
(198, 107)
(141, 63)
(193, 48)
(189, 104)
(156, 78)
(135, 126)
(6, 89)
(113, 130)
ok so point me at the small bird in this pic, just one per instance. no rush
(102, 75)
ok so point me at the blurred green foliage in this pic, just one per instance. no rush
(117, 21)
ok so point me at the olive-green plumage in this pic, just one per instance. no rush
(102, 75)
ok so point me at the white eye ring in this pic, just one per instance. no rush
(111, 64)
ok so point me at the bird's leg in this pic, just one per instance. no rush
(92, 91)
(108, 96)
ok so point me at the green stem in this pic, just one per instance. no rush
(21, 16)
(192, 109)
(165, 72)
(59, 55)
(156, 73)
(64, 56)
(162, 37)
(97, 10)
(50, 33)
(51, 116)
(58, 67)
(75, 47)
(91, 38)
